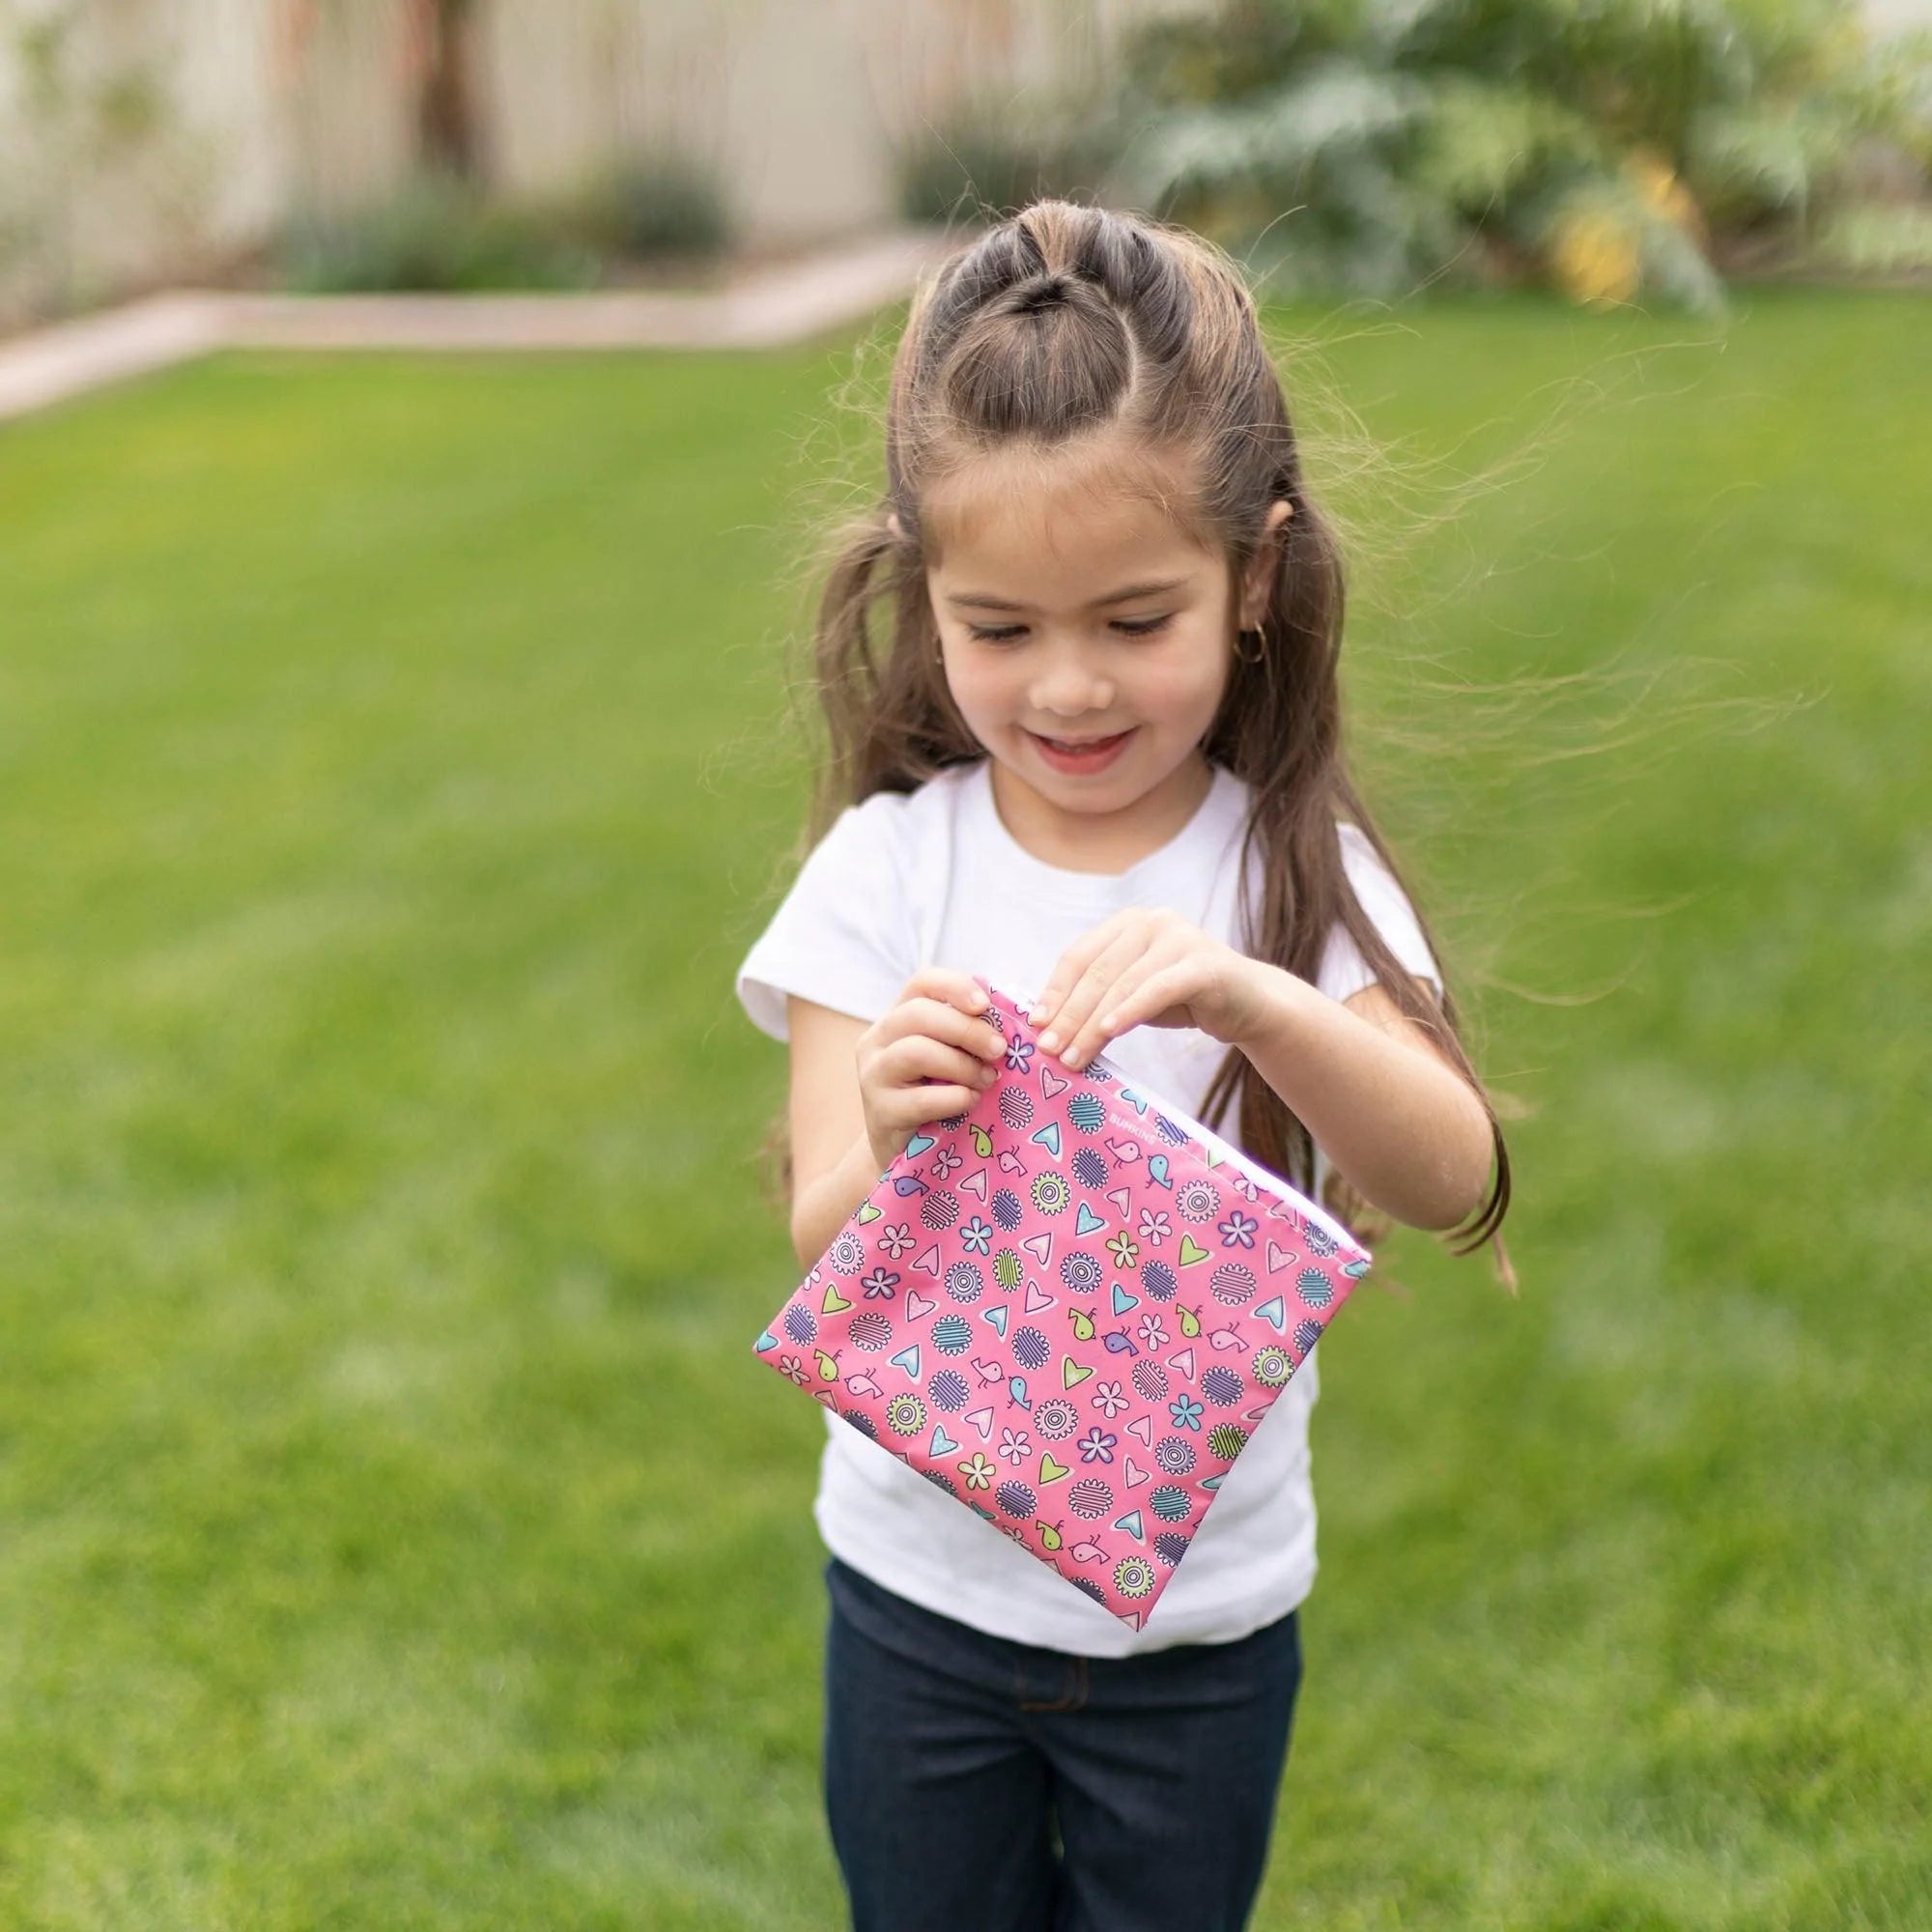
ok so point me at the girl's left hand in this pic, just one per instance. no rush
(1146, 967)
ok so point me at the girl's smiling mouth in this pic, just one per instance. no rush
(1081, 755)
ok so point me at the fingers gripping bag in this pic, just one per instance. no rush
(1069, 1307)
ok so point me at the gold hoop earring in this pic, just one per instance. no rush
(1259, 642)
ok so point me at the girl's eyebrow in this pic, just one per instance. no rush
(978, 600)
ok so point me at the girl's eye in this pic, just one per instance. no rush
(1143, 627)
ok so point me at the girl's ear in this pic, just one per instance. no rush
(1261, 572)
(894, 525)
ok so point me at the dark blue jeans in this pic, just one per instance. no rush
(973, 1784)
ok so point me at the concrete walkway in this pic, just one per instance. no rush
(765, 309)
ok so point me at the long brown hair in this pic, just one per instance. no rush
(1060, 321)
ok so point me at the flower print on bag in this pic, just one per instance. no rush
(905, 1415)
(1014, 1445)
(1154, 1227)
(964, 1282)
(1050, 1193)
(1081, 1272)
(1056, 1419)
(1223, 1387)
(977, 1236)
(1152, 1331)
(979, 1473)
(1018, 1053)
(948, 1390)
(1272, 1367)
(1186, 1412)
(1097, 1445)
(1199, 1201)
(896, 1240)
(792, 1368)
(1109, 1399)
(1091, 1497)
(881, 1285)
(1234, 1284)
(1122, 1249)
(1237, 1230)
(1016, 1499)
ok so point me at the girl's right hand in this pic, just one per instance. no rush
(926, 1057)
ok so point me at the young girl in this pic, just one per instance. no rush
(1099, 753)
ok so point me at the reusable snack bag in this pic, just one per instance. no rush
(1069, 1307)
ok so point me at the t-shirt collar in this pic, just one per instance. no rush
(1204, 836)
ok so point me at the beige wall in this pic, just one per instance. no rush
(179, 130)
(797, 102)
(133, 133)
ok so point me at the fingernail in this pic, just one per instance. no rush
(1049, 1040)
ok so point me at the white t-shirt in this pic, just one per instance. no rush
(933, 877)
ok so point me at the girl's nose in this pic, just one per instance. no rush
(1066, 687)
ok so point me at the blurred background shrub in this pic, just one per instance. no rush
(664, 207)
(435, 232)
(1001, 151)
(439, 232)
(1614, 148)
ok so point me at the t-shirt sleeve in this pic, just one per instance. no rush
(1343, 970)
(842, 936)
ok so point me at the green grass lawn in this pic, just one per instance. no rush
(396, 1528)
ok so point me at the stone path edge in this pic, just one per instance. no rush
(766, 310)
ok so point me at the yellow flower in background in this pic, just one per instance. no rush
(1664, 192)
(1594, 256)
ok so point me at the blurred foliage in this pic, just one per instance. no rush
(1001, 154)
(1613, 148)
(1878, 239)
(438, 233)
(659, 206)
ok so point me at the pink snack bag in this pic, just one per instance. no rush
(1069, 1307)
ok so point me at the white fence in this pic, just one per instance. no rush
(142, 139)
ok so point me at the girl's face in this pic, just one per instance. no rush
(1087, 641)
